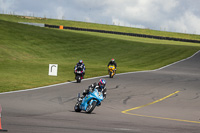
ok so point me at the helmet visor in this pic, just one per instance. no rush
(101, 85)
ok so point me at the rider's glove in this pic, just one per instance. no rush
(90, 89)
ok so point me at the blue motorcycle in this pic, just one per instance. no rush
(89, 102)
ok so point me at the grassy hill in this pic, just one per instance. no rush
(26, 51)
(15, 18)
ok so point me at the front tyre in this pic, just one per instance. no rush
(110, 74)
(113, 73)
(78, 79)
(91, 107)
(77, 108)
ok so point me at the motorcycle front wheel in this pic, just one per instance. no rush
(76, 107)
(91, 107)
(78, 79)
(111, 75)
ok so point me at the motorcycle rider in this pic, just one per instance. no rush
(80, 65)
(112, 62)
(100, 87)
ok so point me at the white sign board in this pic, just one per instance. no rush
(53, 69)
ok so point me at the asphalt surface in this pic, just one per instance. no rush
(167, 101)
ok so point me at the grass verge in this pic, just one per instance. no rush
(26, 51)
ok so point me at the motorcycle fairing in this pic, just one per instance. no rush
(88, 100)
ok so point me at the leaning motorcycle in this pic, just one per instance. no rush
(89, 102)
(111, 71)
(79, 75)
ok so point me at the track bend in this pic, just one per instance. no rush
(50, 109)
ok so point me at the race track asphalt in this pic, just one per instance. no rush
(161, 101)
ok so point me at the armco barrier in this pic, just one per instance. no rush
(124, 33)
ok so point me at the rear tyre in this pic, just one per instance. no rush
(91, 107)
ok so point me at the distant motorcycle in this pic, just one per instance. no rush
(111, 71)
(89, 102)
(79, 75)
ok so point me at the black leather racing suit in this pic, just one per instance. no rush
(91, 88)
(113, 63)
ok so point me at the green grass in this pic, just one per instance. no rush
(26, 52)
(15, 18)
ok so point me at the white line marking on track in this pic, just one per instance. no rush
(123, 129)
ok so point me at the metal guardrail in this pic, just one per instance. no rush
(124, 33)
(34, 24)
